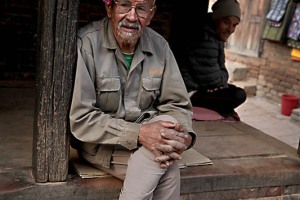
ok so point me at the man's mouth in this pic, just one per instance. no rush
(129, 26)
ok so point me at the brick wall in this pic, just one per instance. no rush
(275, 71)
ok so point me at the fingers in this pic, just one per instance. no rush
(178, 128)
(179, 146)
(167, 124)
(174, 156)
(165, 148)
(164, 161)
(162, 158)
(173, 135)
(166, 164)
(174, 140)
(157, 153)
(167, 160)
(170, 152)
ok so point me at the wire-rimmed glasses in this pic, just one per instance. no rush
(142, 10)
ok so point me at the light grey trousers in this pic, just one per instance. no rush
(143, 177)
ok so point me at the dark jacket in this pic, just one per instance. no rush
(204, 66)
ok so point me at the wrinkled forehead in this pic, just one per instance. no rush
(149, 2)
(232, 19)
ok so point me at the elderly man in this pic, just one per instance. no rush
(130, 114)
(204, 71)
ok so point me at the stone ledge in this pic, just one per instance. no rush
(248, 85)
(246, 164)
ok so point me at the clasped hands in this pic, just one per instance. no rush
(167, 140)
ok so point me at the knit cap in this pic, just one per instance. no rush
(224, 8)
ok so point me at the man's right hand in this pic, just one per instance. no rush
(214, 90)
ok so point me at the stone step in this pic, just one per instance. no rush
(295, 116)
(247, 164)
(237, 71)
(248, 85)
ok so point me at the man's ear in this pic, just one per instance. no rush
(108, 9)
(151, 14)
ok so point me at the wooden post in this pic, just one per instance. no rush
(57, 21)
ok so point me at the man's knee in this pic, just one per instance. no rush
(163, 118)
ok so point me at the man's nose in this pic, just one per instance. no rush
(132, 14)
(232, 29)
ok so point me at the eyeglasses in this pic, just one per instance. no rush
(142, 9)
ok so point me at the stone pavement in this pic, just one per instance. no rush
(266, 116)
(247, 163)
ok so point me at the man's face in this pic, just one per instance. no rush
(226, 26)
(129, 23)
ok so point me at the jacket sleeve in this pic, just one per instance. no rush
(174, 100)
(87, 122)
(206, 60)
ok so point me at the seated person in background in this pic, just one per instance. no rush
(129, 99)
(203, 69)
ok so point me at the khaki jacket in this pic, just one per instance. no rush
(110, 102)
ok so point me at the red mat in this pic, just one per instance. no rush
(204, 114)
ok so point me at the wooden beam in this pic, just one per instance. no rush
(57, 21)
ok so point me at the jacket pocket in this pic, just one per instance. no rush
(108, 93)
(150, 92)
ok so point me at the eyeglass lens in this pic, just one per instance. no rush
(142, 10)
